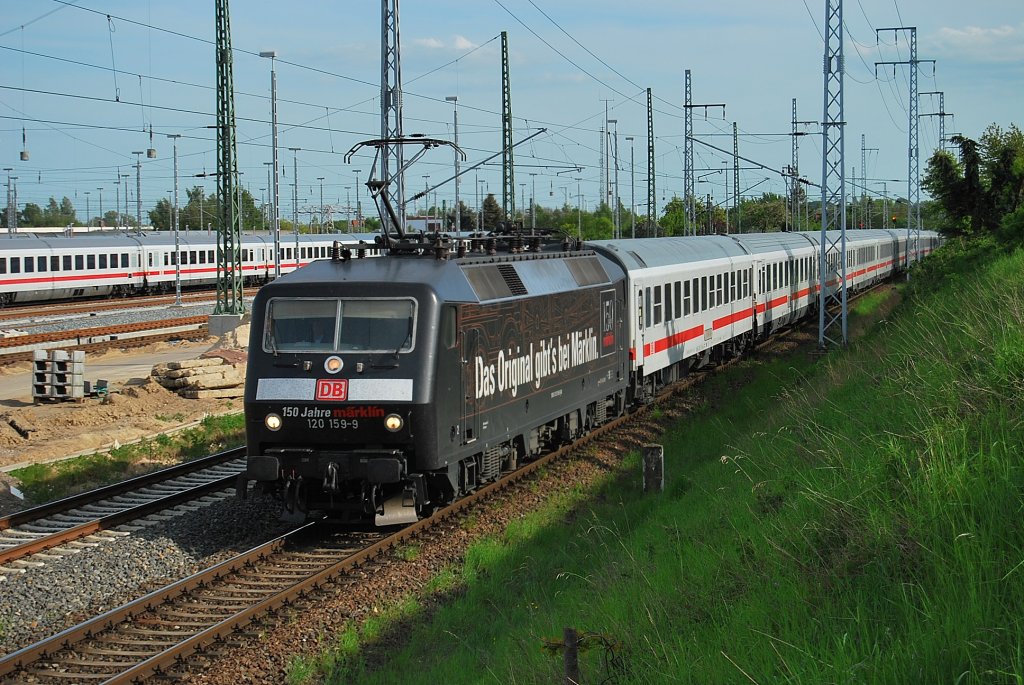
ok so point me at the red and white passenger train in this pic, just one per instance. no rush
(35, 268)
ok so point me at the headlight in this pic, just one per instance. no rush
(393, 422)
(333, 364)
(272, 422)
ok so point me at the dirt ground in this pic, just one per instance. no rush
(33, 433)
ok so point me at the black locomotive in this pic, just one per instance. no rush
(391, 385)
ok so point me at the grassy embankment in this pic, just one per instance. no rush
(46, 482)
(858, 520)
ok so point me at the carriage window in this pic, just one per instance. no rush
(40, 263)
(54, 263)
(686, 298)
(732, 286)
(90, 261)
(15, 265)
(29, 265)
(202, 256)
(703, 293)
(721, 291)
(657, 305)
(310, 325)
(647, 307)
(103, 261)
(679, 299)
(3, 265)
(668, 302)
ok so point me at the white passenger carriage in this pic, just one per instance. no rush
(690, 298)
(35, 268)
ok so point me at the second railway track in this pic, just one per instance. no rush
(56, 525)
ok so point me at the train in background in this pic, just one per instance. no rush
(41, 267)
(380, 389)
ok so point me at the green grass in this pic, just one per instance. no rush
(854, 521)
(46, 482)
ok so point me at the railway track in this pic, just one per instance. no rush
(157, 632)
(20, 348)
(67, 526)
(38, 310)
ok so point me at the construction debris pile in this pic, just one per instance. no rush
(216, 374)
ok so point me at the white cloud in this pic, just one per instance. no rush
(996, 44)
(457, 43)
(432, 43)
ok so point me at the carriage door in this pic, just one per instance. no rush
(757, 297)
(641, 335)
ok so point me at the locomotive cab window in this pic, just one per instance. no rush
(312, 325)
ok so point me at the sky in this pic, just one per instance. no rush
(88, 80)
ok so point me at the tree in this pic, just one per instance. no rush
(986, 184)
(32, 215)
(673, 219)
(467, 218)
(161, 216)
(764, 214)
(493, 213)
(199, 211)
(110, 218)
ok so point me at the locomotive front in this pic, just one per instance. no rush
(337, 391)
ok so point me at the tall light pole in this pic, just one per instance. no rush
(100, 191)
(579, 210)
(479, 207)
(522, 196)
(295, 200)
(533, 202)
(272, 54)
(88, 221)
(177, 236)
(885, 205)
(124, 177)
(321, 227)
(426, 195)
(359, 208)
(138, 191)
(11, 210)
(725, 204)
(632, 188)
(458, 209)
(615, 124)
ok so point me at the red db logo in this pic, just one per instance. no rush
(333, 389)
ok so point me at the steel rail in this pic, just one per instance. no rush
(130, 513)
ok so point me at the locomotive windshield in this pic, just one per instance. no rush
(335, 325)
